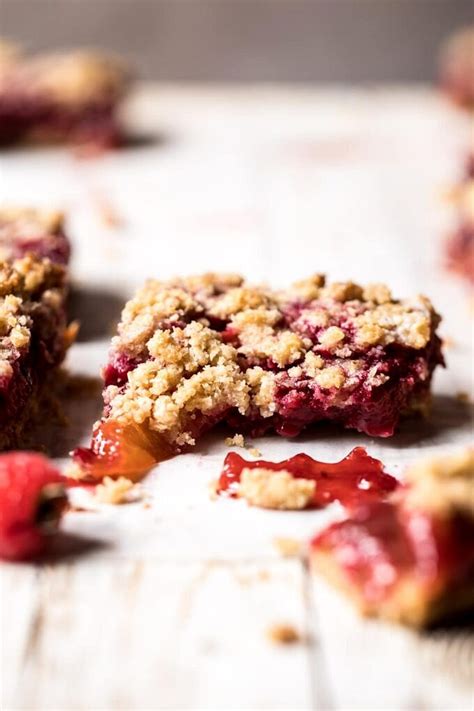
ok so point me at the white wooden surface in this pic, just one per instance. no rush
(167, 606)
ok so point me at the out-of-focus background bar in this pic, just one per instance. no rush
(249, 40)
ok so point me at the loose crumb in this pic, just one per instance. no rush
(107, 212)
(236, 441)
(213, 488)
(288, 547)
(463, 396)
(448, 342)
(114, 491)
(275, 490)
(73, 471)
(283, 634)
(254, 452)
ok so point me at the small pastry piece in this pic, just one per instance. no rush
(33, 330)
(457, 67)
(69, 96)
(193, 352)
(411, 559)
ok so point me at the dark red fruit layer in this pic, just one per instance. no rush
(31, 502)
(55, 247)
(32, 117)
(355, 479)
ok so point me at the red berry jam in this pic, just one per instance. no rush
(116, 450)
(355, 479)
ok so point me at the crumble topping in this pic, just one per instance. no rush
(28, 222)
(71, 78)
(268, 489)
(308, 289)
(21, 283)
(202, 346)
(393, 323)
(443, 484)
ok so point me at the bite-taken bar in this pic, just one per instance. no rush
(192, 352)
(457, 67)
(66, 96)
(409, 559)
(33, 328)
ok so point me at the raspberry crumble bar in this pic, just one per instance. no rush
(33, 330)
(193, 352)
(460, 246)
(457, 67)
(69, 96)
(409, 559)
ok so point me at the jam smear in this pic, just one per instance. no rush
(355, 479)
(117, 450)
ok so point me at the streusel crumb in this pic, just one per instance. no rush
(443, 483)
(268, 489)
(283, 634)
(288, 547)
(114, 491)
(236, 441)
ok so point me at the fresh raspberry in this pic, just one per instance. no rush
(32, 499)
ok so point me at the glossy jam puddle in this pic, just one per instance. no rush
(129, 451)
(357, 478)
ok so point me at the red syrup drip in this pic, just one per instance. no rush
(358, 478)
(117, 450)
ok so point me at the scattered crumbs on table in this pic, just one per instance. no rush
(213, 488)
(283, 634)
(463, 397)
(116, 491)
(288, 547)
(236, 441)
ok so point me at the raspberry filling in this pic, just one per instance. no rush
(383, 544)
(22, 116)
(117, 451)
(355, 479)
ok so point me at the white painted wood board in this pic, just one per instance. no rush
(168, 606)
